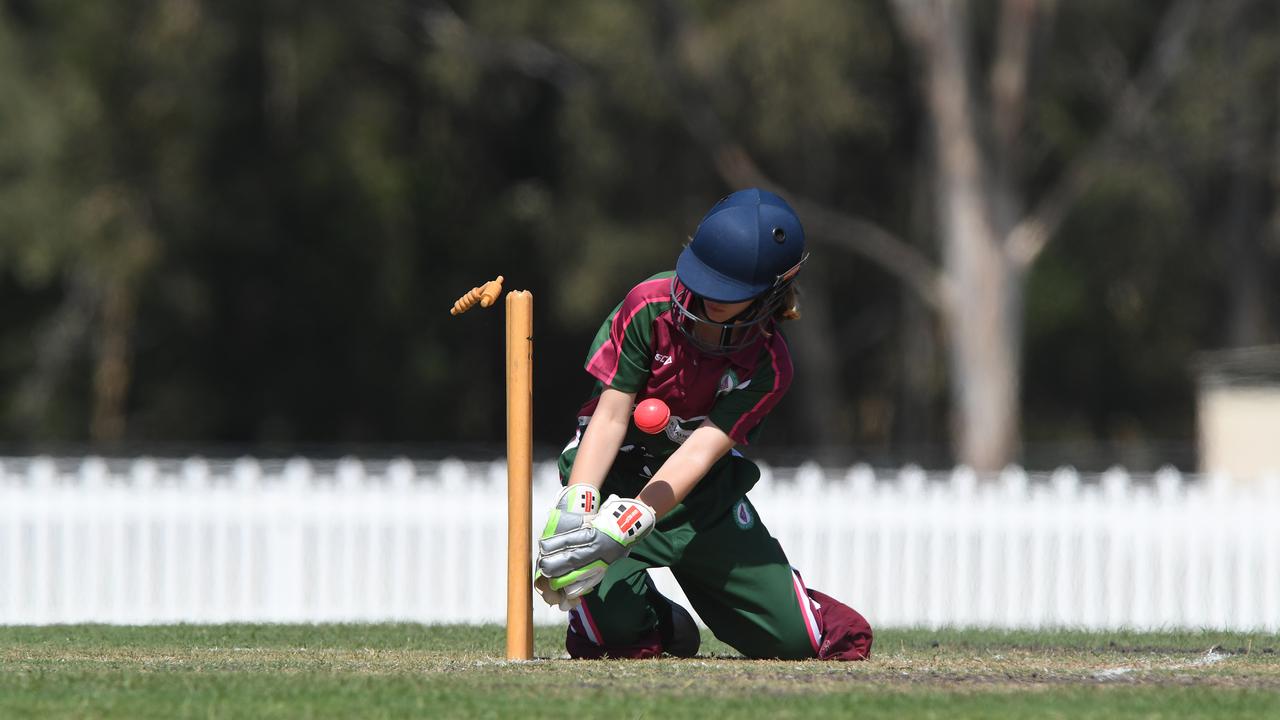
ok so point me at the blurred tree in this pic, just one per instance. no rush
(1232, 85)
(988, 234)
(1142, 277)
(76, 217)
(240, 222)
(989, 239)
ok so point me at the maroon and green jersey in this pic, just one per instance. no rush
(640, 350)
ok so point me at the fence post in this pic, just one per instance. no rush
(1218, 517)
(196, 504)
(1264, 518)
(1169, 500)
(403, 502)
(1013, 491)
(1039, 521)
(143, 477)
(964, 496)
(1143, 528)
(42, 474)
(1066, 493)
(911, 483)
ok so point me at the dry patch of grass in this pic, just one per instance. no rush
(718, 673)
(384, 671)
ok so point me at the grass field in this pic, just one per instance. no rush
(267, 671)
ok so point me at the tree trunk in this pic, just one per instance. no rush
(112, 374)
(984, 330)
(984, 311)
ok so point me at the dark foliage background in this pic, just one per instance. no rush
(238, 226)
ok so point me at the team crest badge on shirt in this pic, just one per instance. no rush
(742, 515)
(728, 382)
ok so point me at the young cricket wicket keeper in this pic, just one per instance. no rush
(705, 340)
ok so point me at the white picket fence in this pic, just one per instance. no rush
(156, 541)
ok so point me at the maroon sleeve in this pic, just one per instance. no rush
(621, 353)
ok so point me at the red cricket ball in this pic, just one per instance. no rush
(651, 415)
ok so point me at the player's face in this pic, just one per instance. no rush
(723, 312)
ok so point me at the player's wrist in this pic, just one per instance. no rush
(575, 506)
(626, 520)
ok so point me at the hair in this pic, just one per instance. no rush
(789, 308)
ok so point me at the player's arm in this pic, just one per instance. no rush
(574, 562)
(602, 438)
(577, 506)
(687, 465)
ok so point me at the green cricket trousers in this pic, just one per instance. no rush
(734, 573)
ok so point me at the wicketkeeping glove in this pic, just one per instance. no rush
(576, 561)
(575, 507)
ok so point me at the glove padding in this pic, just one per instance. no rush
(575, 507)
(576, 561)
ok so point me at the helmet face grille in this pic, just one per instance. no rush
(738, 333)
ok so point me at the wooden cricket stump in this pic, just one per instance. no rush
(519, 458)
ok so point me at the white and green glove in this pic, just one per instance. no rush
(575, 507)
(575, 561)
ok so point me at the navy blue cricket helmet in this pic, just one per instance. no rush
(749, 246)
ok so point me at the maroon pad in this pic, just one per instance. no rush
(846, 635)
